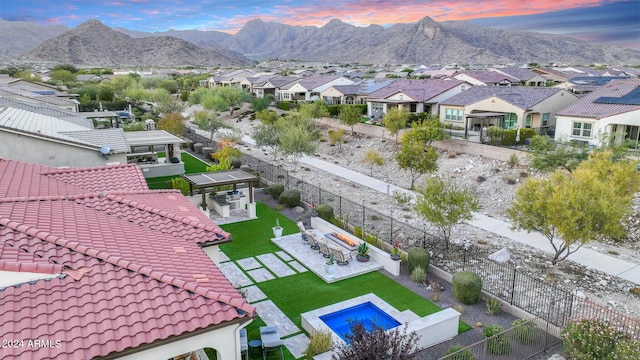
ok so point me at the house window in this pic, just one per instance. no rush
(510, 121)
(376, 107)
(453, 114)
(413, 107)
(527, 121)
(545, 119)
(582, 129)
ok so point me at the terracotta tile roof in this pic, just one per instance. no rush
(587, 108)
(420, 90)
(117, 177)
(132, 268)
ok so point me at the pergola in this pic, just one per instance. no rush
(482, 116)
(212, 179)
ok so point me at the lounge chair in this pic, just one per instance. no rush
(303, 232)
(244, 344)
(312, 240)
(341, 257)
(270, 341)
(323, 248)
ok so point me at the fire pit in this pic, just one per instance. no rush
(343, 240)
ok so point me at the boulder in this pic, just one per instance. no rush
(501, 255)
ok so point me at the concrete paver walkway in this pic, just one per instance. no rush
(587, 257)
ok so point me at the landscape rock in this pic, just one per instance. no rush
(501, 255)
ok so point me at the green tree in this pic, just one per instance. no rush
(260, 104)
(209, 121)
(426, 131)
(570, 209)
(313, 110)
(105, 93)
(336, 136)
(231, 97)
(266, 136)
(267, 116)
(173, 123)
(65, 76)
(295, 139)
(395, 120)
(350, 115)
(444, 204)
(416, 158)
(373, 157)
(67, 67)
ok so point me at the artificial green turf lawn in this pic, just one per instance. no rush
(253, 237)
(303, 292)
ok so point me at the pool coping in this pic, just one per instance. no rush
(312, 323)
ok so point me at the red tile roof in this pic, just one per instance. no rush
(132, 271)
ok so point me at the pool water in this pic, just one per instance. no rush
(367, 313)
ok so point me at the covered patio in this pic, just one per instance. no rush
(477, 122)
(225, 201)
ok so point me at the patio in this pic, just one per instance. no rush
(279, 278)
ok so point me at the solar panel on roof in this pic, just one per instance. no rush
(631, 98)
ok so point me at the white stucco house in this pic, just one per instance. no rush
(610, 111)
(310, 88)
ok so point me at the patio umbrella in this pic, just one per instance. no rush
(518, 135)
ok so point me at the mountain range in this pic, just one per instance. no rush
(422, 42)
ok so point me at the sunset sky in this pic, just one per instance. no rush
(599, 21)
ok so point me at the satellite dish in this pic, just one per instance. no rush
(104, 152)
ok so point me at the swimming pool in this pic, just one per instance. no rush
(369, 314)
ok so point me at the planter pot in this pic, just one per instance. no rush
(277, 232)
(363, 258)
(329, 270)
(395, 257)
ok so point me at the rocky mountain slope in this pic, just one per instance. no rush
(20, 36)
(207, 39)
(94, 44)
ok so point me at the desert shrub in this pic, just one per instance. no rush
(513, 161)
(508, 137)
(325, 212)
(290, 198)
(357, 232)
(417, 256)
(524, 331)
(319, 342)
(627, 349)
(494, 306)
(467, 287)
(401, 197)
(283, 105)
(495, 134)
(275, 190)
(466, 354)
(180, 183)
(419, 275)
(590, 339)
(498, 343)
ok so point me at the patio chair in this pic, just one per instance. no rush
(342, 257)
(304, 234)
(323, 248)
(244, 345)
(312, 241)
(271, 341)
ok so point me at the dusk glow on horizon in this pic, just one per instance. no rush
(618, 21)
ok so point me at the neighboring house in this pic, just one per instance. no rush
(487, 78)
(49, 97)
(273, 85)
(554, 75)
(40, 134)
(524, 76)
(233, 78)
(611, 110)
(506, 107)
(93, 264)
(586, 84)
(417, 96)
(252, 84)
(310, 88)
(355, 93)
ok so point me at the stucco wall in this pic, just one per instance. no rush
(47, 152)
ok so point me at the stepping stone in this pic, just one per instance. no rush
(260, 275)
(299, 267)
(276, 265)
(296, 345)
(273, 316)
(234, 274)
(223, 257)
(284, 256)
(249, 263)
(254, 294)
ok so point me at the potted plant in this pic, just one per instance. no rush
(395, 252)
(329, 267)
(277, 230)
(362, 253)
